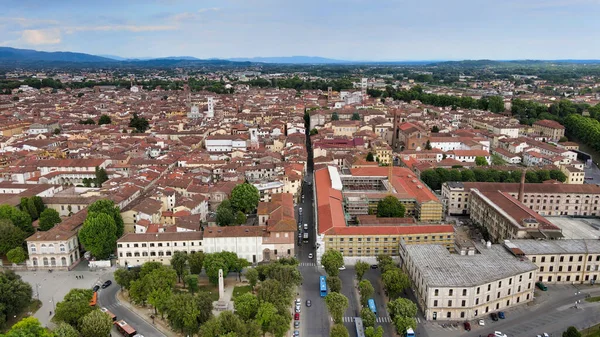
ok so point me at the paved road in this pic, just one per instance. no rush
(551, 312)
(107, 298)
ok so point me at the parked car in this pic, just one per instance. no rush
(374, 266)
(310, 255)
(481, 322)
(467, 326)
(106, 284)
(342, 268)
(541, 286)
(305, 226)
(96, 288)
(297, 317)
(308, 303)
(296, 324)
(296, 333)
(300, 210)
(501, 315)
(494, 316)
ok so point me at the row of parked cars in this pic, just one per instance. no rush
(298, 304)
(494, 316)
(104, 285)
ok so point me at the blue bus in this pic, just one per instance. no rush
(409, 333)
(323, 286)
(360, 330)
(372, 306)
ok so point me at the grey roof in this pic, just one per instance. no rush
(455, 184)
(440, 268)
(544, 247)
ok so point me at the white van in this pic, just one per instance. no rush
(305, 226)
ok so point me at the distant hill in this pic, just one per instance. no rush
(8, 54)
(292, 60)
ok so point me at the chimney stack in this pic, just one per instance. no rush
(522, 186)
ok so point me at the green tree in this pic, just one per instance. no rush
(361, 267)
(108, 207)
(39, 204)
(394, 282)
(496, 104)
(33, 212)
(252, 277)
(402, 307)
(497, 160)
(368, 317)
(563, 139)
(212, 264)
(48, 219)
(10, 236)
(28, 327)
(332, 260)
(355, 116)
(334, 283)
(265, 315)
(428, 145)
(335, 116)
(246, 306)
(245, 198)
(480, 161)
(195, 261)
(74, 306)
(372, 332)
(435, 129)
(98, 235)
(124, 276)
(15, 295)
(402, 323)
(225, 215)
(192, 283)
(366, 290)
(183, 313)
(274, 292)
(179, 263)
(21, 219)
(571, 332)
(94, 324)
(160, 298)
(240, 218)
(104, 119)
(17, 255)
(313, 132)
(370, 157)
(338, 330)
(101, 176)
(385, 262)
(139, 123)
(337, 305)
(390, 207)
(66, 330)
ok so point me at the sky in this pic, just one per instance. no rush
(373, 30)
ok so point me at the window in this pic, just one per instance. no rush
(510, 281)
(435, 292)
(543, 259)
(478, 290)
(580, 258)
(487, 298)
(464, 303)
(449, 315)
(435, 303)
(450, 292)
(143, 245)
(449, 303)
(120, 245)
(552, 259)
(464, 292)
(476, 301)
(498, 295)
(500, 284)
(489, 287)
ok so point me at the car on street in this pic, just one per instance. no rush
(494, 316)
(106, 284)
(467, 326)
(308, 303)
(310, 255)
(501, 315)
(342, 268)
(481, 322)
(96, 288)
(297, 317)
(298, 309)
(541, 286)
(299, 210)
(374, 266)
(296, 324)
(305, 226)
(298, 301)
(296, 333)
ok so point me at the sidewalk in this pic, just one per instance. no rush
(144, 314)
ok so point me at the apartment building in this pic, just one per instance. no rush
(134, 249)
(54, 249)
(451, 287)
(552, 130)
(562, 261)
(504, 217)
(545, 199)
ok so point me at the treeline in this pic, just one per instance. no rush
(300, 84)
(434, 178)
(527, 112)
(493, 103)
(585, 129)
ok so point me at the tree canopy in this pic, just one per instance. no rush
(390, 207)
(48, 219)
(96, 323)
(99, 235)
(104, 119)
(332, 260)
(139, 123)
(108, 207)
(10, 236)
(245, 198)
(15, 295)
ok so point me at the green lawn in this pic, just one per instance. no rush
(591, 332)
(593, 299)
(32, 308)
(239, 290)
(214, 291)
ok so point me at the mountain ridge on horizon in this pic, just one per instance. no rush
(10, 54)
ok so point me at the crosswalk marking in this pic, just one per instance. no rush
(307, 264)
(385, 319)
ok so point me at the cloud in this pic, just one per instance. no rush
(41, 36)
(129, 28)
(29, 22)
(189, 16)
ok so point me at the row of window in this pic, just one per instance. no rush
(487, 298)
(160, 244)
(151, 253)
(436, 292)
(394, 239)
(562, 259)
(487, 309)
